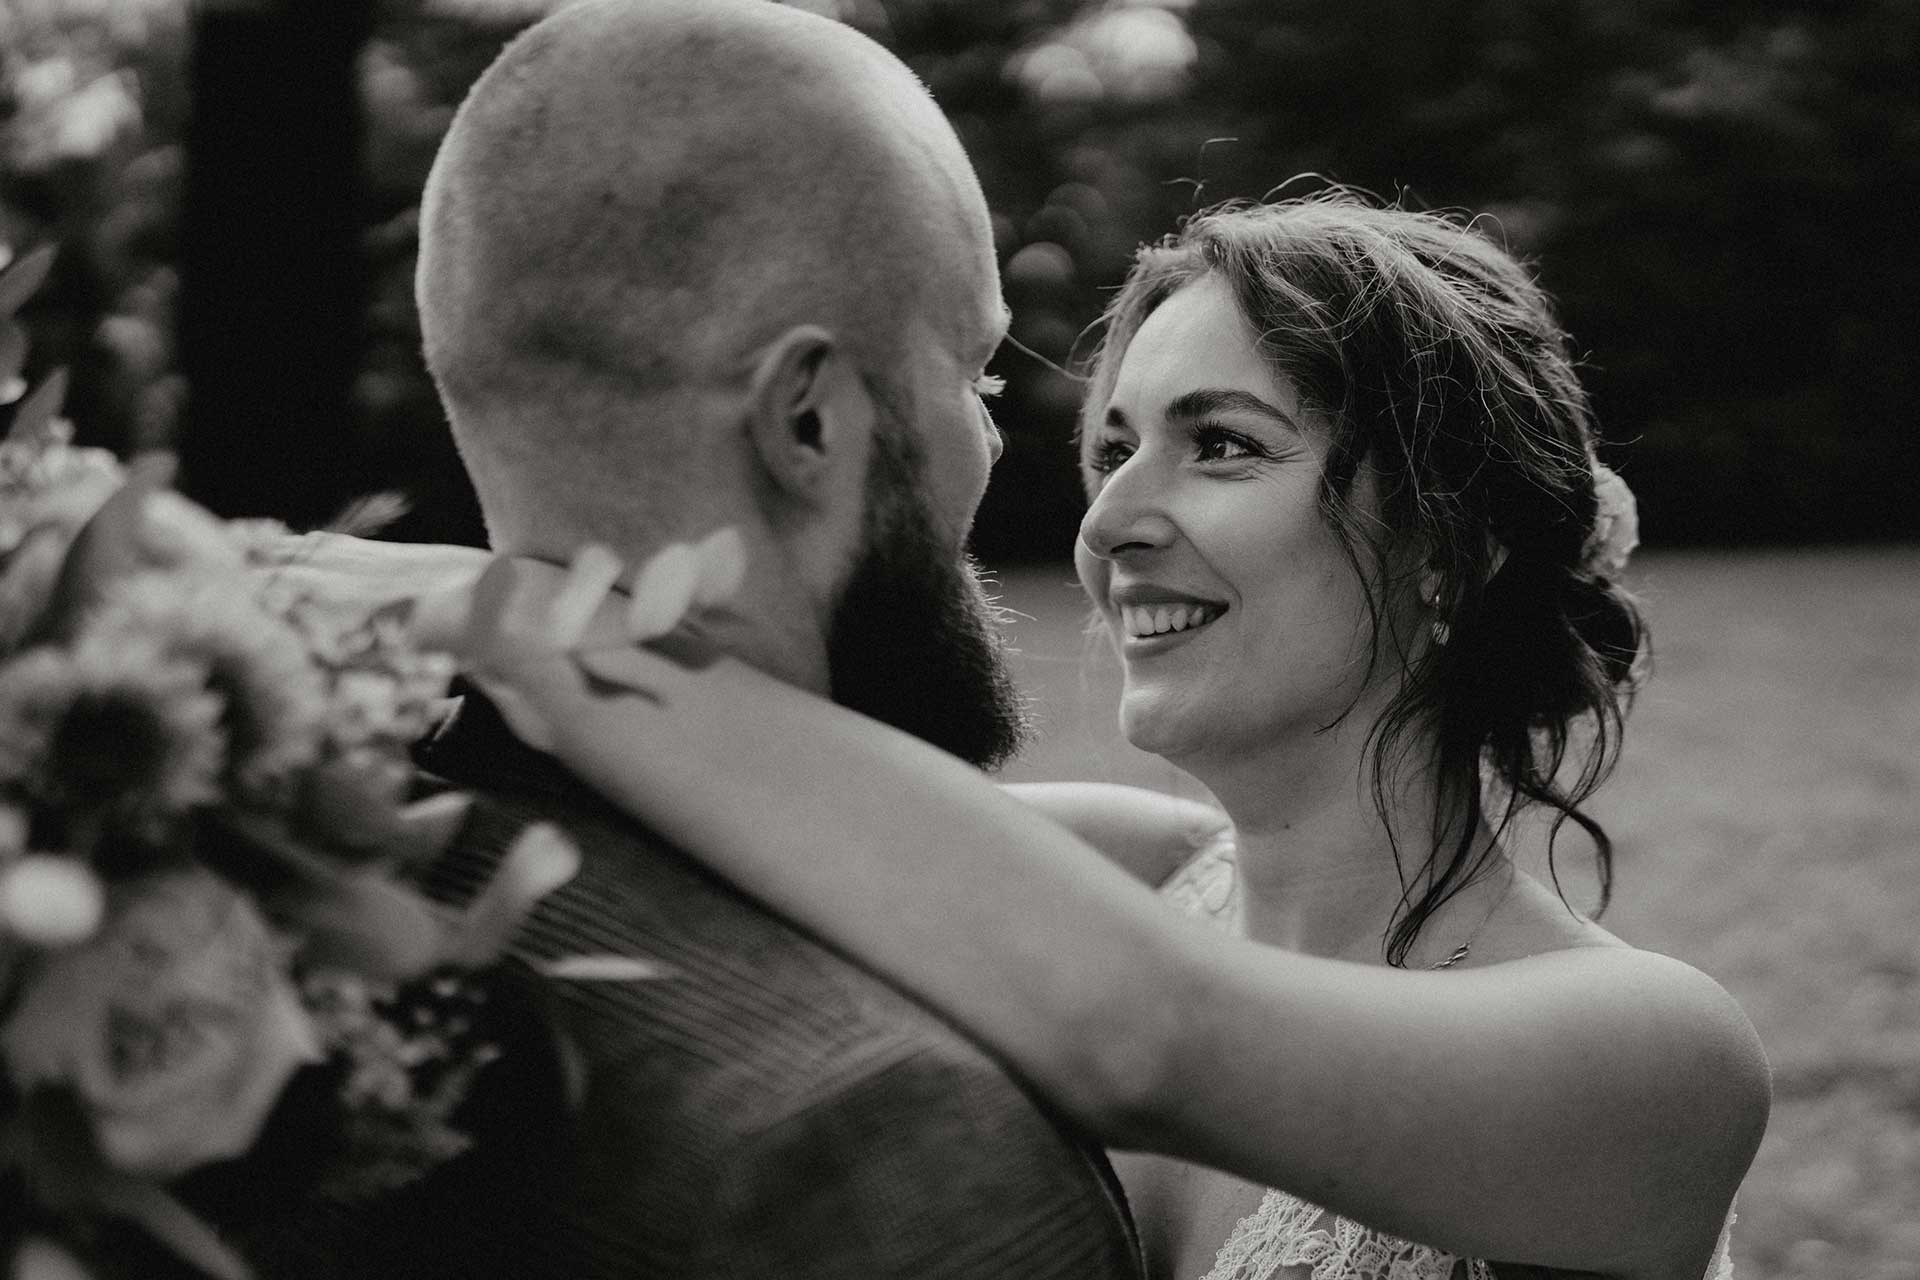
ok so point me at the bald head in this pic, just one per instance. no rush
(633, 199)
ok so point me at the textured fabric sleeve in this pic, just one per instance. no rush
(925, 1163)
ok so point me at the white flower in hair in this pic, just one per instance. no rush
(1616, 524)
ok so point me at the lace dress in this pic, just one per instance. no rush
(1286, 1231)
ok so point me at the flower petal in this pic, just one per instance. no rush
(50, 901)
(591, 575)
(541, 860)
(605, 968)
(723, 566)
(662, 591)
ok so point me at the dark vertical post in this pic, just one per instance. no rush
(273, 285)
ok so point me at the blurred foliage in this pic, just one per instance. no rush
(1716, 190)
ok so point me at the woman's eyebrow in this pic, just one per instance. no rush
(1208, 401)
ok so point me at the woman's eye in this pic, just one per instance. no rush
(1215, 444)
(1103, 457)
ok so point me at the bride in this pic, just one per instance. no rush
(1348, 535)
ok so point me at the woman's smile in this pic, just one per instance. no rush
(1152, 622)
(1144, 614)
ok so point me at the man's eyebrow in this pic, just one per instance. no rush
(1211, 400)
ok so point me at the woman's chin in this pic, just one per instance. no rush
(1158, 726)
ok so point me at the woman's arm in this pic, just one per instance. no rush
(1591, 1110)
(1148, 834)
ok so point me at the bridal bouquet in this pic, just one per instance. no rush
(214, 972)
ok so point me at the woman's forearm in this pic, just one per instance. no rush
(766, 783)
(1148, 834)
(1564, 1109)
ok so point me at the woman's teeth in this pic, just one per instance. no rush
(1161, 619)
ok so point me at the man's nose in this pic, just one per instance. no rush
(1128, 514)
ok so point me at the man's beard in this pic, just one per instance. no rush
(915, 639)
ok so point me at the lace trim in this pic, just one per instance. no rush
(1208, 885)
(1286, 1231)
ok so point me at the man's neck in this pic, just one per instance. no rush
(794, 653)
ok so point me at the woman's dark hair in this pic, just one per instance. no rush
(1438, 360)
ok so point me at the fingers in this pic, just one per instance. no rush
(524, 628)
(526, 607)
(523, 608)
(508, 610)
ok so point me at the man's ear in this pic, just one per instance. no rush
(809, 414)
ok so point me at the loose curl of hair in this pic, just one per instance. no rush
(1438, 359)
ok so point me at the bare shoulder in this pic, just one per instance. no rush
(1662, 1005)
(1534, 930)
(1668, 1053)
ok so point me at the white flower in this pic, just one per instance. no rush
(1616, 524)
(175, 1027)
(50, 901)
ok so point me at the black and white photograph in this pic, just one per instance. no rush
(959, 640)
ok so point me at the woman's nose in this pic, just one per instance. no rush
(1127, 514)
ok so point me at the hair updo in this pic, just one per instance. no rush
(1438, 360)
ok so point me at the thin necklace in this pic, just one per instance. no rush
(1465, 949)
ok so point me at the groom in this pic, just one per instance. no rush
(692, 263)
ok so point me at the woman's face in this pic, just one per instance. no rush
(1239, 621)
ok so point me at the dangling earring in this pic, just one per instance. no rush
(1430, 597)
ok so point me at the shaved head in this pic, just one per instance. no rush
(636, 197)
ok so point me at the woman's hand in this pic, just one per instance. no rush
(352, 577)
(1150, 834)
(539, 639)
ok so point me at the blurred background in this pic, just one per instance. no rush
(1719, 192)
